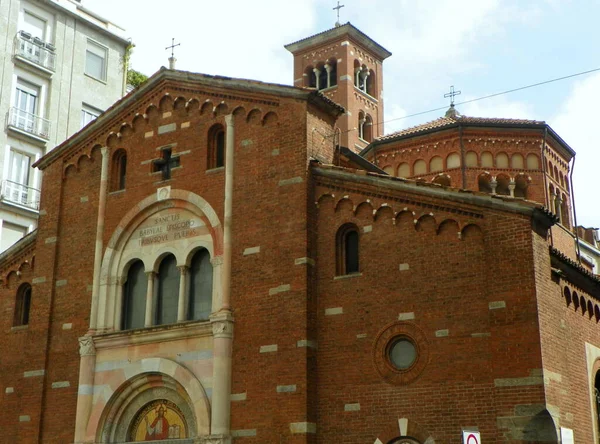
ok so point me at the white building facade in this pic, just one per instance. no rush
(61, 65)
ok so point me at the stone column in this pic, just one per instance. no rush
(511, 187)
(222, 326)
(328, 69)
(183, 294)
(221, 319)
(98, 243)
(365, 75)
(493, 184)
(558, 209)
(148, 321)
(317, 72)
(118, 321)
(85, 395)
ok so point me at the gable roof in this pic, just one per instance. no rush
(201, 80)
(448, 122)
(337, 32)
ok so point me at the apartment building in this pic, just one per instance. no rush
(61, 65)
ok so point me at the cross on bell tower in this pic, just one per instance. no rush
(338, 7)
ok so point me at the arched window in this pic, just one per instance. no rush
(357, 74)
(168, 291)
(564, 211)
(517, 161)
(471, 159)
(322, 73)
(118, 170)
(453, 160)
(22, 304)
(347, 249)
(442, 179)
(552, 198)
(484, 184)
(389, 169)
(200, 295)
(216, 147)
(332, 72)
(403, 170)
(368, 129)
(134, 297)
(502, 160)
(487, 161)
(361, 125)
(502, 188)
(420, 167)
(310, 78)
(521, 185)
(436, 164)
(533, 163)
(370, 82)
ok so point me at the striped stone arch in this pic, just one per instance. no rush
(164, 199)
(139, 383)
(405, 431)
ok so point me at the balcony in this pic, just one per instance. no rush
(27, 123)
(35, 51)
(19, 194)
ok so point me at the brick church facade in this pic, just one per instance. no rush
(222, 260)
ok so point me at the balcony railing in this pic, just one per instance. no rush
(20, 194)
(35, 50)
(29, 123)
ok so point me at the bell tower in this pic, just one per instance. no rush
(345, 65)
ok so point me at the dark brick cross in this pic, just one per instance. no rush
(165, 163)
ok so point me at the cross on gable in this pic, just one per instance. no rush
(165, 163)
(172, 47)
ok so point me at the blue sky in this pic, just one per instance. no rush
(480, 46)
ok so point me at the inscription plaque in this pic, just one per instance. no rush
(169, 225)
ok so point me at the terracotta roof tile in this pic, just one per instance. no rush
(448, 121)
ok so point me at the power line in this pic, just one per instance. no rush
(491, 95)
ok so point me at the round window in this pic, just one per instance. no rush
(402, 354)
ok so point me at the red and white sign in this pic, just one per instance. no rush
(470, 437)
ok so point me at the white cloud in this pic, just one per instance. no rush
(499, 106)
(577, 123)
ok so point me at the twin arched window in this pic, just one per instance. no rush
(162, 291)
(347, 250)
(22, 305)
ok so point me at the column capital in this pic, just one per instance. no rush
(222, 324)
(86, 346)
(150, 274)
(217, 260)
(183, 269)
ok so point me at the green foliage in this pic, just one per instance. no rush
(135, 78)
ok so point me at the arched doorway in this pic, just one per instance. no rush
(404, 440)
